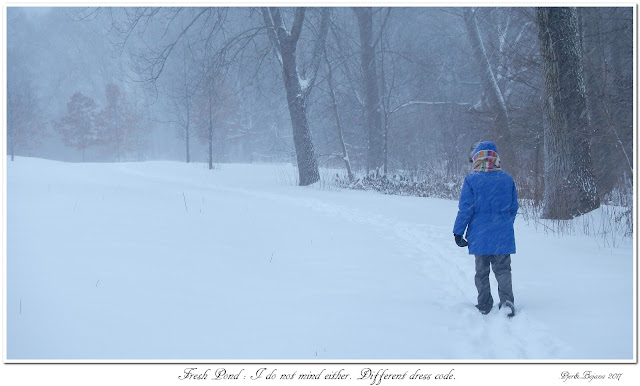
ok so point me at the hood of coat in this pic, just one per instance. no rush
(485, 157)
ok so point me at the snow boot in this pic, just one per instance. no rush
(509, 307)
(483, 311)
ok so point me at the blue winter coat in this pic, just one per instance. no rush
(487, 209)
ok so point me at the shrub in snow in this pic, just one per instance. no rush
(431, 186)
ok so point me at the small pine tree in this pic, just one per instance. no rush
(77, 127)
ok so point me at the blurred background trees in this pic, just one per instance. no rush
(397, 93)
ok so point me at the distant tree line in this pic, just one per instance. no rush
(379, 91)
(117, 129)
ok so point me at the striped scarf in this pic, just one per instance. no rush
(486, 161)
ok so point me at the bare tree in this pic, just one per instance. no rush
(204, 23)
(605, 148)
(372, 113)
(116, 124)
(297, 85)
(495, 100)
(181, 103)
(336, 115)
(25, 123)
(399, 85)
(620, 79)
(570, 188)
(216, 108)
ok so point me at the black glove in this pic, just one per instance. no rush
(460, 241)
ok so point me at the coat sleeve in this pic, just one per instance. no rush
(465, 208)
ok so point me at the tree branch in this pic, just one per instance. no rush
(284, 37)
(271, 31)
(297, 25)
(411, 103)
(160, 60)
(384, 23)
(318, 50)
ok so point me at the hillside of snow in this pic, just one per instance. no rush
(166, 260)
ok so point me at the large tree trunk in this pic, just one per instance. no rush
(620, 94)
(501, 134)
(570, 188)
(305, 154)
(372, 113)
(285, 44)
(607, 152)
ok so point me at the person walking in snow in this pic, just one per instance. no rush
(486, 210)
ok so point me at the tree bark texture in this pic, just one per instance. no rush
(570, 188)
(305, 153)
(620, 100)
(607, 152)
(372, 113)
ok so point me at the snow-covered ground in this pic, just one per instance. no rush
(166, 260)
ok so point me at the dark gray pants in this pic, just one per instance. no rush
(501, 265)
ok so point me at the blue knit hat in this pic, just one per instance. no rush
(485, 145)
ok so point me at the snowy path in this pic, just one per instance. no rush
(163, 260)
(431, 248)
